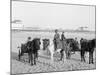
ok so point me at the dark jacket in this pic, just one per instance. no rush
(62, 37)
(28, 44)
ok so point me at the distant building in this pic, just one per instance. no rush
(83, 28)
(17, 26)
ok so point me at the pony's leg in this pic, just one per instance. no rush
(61, 52)
(64, 56)
(90, 57)
(19, 55)
(35, 56)
(31, 58)
(66, 52)
(52, 59)
(69, 54)
(82, 55)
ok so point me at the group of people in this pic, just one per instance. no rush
(72, 44)
(56, 38)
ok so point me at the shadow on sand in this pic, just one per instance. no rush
(24, 58)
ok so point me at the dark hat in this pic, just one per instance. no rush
(29, 38)
(75, 37)
(63, 32)
(56, 30)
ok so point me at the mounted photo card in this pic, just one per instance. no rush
(52, 37)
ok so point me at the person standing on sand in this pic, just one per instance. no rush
(62, 36)
(56, 39)
(28, 45)
(28, 40)
(63, 45)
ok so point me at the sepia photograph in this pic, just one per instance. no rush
(52, 37)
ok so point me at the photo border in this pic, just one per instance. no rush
(46, 3)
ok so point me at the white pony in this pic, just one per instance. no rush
(52, 50)
(66, 48)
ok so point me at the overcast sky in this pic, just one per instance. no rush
(54, 16)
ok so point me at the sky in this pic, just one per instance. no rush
(53, 16)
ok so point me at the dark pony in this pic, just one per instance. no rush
(87, 46)
(31, 48)
(35, 46)
(71, 47)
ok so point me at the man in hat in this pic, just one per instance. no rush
(56, 39)
(27, 41)
(62, 36)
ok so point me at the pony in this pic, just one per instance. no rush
(31, 48)
(87, 46)
(52, 50)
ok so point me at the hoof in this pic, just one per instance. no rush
(34, 64)
(91, 63)
(31, 64)
(59, 59)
